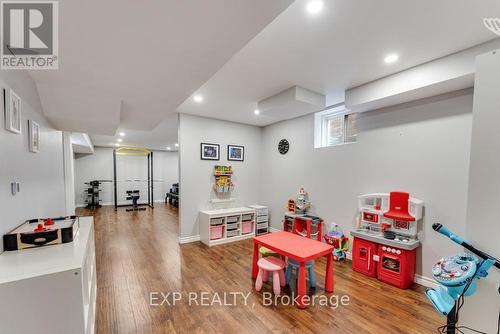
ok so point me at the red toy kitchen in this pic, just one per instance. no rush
(385, 242)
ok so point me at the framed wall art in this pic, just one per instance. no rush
(34, 136)
(235, 153)
(12, 111)
(210, 151)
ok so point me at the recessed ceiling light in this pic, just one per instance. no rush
(122, 134)
(168, 148)
(198, 98)
(176, 144)
(119, 140)
(116, 144)
(314, 6)
(393, 57)
(256, 112)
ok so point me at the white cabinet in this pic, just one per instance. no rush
(262, 219)
(226, 225)
(50, 289)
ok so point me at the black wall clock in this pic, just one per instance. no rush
(283, 146)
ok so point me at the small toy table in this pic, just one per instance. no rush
(301, 250)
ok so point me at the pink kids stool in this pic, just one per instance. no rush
(274, 265)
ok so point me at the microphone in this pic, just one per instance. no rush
(444, 231)
(455, 238)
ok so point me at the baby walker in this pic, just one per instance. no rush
(459, 274)
(335, 237)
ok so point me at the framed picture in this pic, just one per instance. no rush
(12, 111)
(34, 136)
(235, 153)
(210, 151)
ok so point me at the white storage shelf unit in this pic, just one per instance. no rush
(226, 225)
(50, 289)
(262, 219)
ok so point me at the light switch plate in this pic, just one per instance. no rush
(15, 188)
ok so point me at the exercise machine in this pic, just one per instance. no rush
(173, 195)
(93, 193)
(459, 274)
(134, 152)
(134, 195)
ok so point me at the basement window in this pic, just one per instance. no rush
(335, 126)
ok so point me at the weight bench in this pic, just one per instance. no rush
(133, 195)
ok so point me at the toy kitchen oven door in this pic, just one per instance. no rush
(386, 241)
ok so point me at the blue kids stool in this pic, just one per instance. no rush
(310, 271)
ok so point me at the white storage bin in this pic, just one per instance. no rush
(248, 216)
(233, 226)
(261, 211)
(261, 219)
(262, 225)
(233, 219)
(232, 233)
(216, 221)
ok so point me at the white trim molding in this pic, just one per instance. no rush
(425, 281)
(186, 240)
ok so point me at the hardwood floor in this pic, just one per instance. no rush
(138, 254)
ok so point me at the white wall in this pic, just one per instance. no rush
(483, 227)
(69, 174)
(41, 174)
(196, 175)
(421, 147)
(99, 166)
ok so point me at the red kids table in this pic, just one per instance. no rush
(301, 250)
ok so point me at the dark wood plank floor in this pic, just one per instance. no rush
(138, 253)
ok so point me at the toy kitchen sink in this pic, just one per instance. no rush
(385, 243)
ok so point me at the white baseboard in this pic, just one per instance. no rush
(186, 240)
(272, 229)
(425, 281)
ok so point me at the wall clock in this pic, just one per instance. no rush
(283, 146)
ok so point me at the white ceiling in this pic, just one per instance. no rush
(161, 137)
(341, 47)
(130, 64)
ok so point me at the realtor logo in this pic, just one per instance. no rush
(29, 34)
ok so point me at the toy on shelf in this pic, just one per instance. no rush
(335, 237)
(302, 203)
(223, 183)
(297, 220)
(388, 235)
(223, 170)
